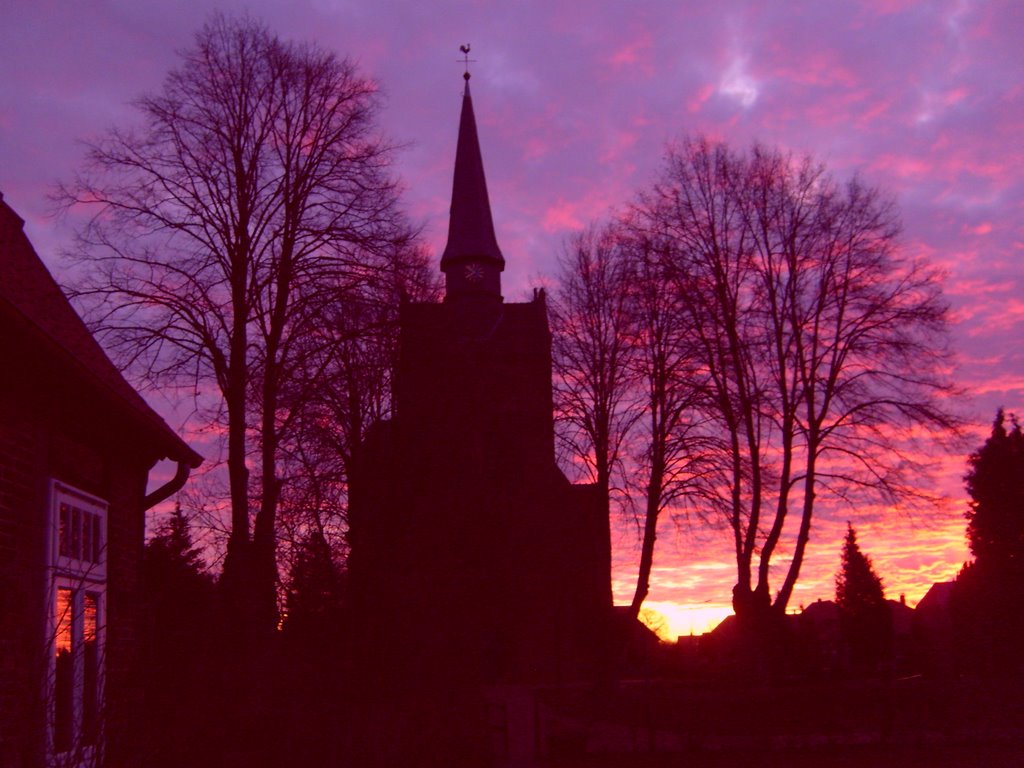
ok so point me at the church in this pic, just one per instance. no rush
(474, 562)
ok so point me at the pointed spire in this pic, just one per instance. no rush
(470, 226)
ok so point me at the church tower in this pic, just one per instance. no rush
(475, 564)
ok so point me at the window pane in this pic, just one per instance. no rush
(97, 539)
(64, 673)
(63, 618)
(91, 669)
(76, 533)
(65, 530)
(87, 536)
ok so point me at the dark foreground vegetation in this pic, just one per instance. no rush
(996, 756)
(801, 717)
(950, 692)
(299, 710)
(760, 700)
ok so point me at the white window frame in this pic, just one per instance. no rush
(82, 574)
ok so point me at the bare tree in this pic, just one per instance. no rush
(254, 194)
(627, 382)
(592, 350)
(822, 346)
(673, 462)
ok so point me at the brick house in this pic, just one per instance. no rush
(76, 447)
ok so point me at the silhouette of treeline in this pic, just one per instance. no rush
(861, 670)
(743, 340)
(969, 627)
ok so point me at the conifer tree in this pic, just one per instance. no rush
(988, 599)
(173, 548)
(179, 663)
(865, 620)
(995, 482)
(857, 585)
(314, 600)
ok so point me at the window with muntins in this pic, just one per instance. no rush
(78, 560)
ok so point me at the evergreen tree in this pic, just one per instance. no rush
(988, 600)
(314, 600)
(172, 548)
(314, 672)
(995, 482)
(858, 587)
(865, 619)
(180, 592)
(180, 663)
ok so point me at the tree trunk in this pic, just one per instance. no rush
(804, 534)
(654, 490)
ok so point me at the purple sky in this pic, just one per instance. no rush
(924, 99)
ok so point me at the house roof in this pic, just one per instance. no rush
(937, 597)
(29, 292)
(821, 611)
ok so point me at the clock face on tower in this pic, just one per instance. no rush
(474, 273)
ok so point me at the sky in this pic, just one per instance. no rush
(574, 108)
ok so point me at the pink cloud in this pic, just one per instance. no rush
(875, 111)
(819, 68)
(700, 98)
(618, 144)
(634, 52)
(889, 7)
(536, 148)
(902, 166)
(981, 229)
(563, 216)
(999, 384)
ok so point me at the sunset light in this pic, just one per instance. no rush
(420, 355)
(682, 620)
(934, 119)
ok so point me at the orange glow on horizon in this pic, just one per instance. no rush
(683, 619)
(694, 572)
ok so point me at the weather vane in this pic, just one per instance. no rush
(465, 59)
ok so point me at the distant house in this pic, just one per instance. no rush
(933, 629)
(76, 447)
(902, 635)
(818, 626)
(815, 641)
(641, 648)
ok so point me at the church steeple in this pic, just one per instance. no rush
(472, 261)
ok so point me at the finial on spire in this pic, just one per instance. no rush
(466, 60)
